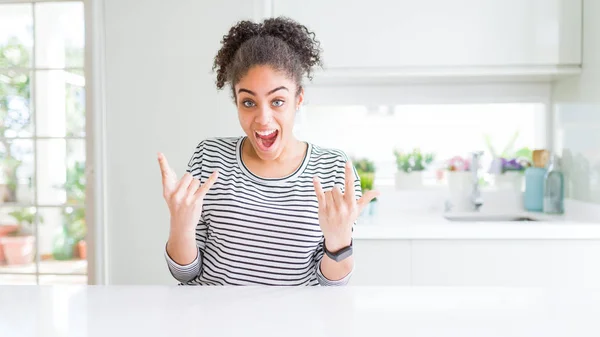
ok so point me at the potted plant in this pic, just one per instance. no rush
(459, 179)
(70, 241)
(410, 167)
(6, 229)
(19, 245)
(365, 169)
(508, 166)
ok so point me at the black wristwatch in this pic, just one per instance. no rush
(340, 254)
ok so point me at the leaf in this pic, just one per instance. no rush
(488, 143)
(510, 145)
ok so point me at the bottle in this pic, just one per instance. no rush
(554, 188)
(533, 198)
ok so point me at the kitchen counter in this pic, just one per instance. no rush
(437, 227)
(119, 311)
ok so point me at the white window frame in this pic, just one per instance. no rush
(93, 72)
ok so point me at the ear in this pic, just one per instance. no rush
(300, 98)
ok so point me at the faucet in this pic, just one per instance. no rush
(476, 199)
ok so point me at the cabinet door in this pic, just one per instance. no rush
(437, 33)
(381, 262)
(506, 262)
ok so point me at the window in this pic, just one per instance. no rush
(445, 130)
(42, 143)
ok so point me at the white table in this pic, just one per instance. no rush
(148, 311)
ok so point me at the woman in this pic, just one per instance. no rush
(262, 209)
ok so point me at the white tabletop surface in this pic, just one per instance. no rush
(319, 311)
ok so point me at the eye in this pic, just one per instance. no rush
(278, 102)
(248, 104)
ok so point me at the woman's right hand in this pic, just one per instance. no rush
(184, 197)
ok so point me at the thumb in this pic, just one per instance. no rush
(366, 199)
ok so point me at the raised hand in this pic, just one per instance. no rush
(184, 197)
(338, 211)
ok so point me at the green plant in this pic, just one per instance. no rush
(9, 166)
(75, 183)
(75, 226)
(14, 109)
(413, 161)
(364, 165)
(365, 169)
(508, 151)
(366, 181)
(25, 218)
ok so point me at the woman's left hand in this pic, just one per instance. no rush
(338, 211)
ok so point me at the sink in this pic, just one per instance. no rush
(474, 217)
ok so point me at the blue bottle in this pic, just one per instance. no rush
(554, 188)
(533, 198)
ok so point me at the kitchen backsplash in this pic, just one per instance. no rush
(577, 141)
(577, 116)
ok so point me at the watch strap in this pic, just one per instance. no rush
(341, 254)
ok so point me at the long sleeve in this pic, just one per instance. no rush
(183, 273)
(186, 273)
(323, 281)
(340, 180)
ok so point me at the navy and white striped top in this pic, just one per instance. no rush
(259, 231)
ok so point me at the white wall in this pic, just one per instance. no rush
(160, 96)
(577, 113)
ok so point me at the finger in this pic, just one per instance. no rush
(329, 199)
(349, 188)
(337, 196)
(183, 185)
(191, 191)
(207, 185)
(319, 191)
(169, 177)
(366, 199)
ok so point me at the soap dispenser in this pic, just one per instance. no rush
(533, 198)
(554, 187)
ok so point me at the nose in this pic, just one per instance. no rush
(264, 115)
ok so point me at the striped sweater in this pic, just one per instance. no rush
(255, 230)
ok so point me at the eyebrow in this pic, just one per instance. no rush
(270, 92)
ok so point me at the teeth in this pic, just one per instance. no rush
(265, 133)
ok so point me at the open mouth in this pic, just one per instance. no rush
(266, 138)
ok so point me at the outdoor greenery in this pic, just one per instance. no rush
(25, 218)
(14, 111)
(75, 188)
(15, 122)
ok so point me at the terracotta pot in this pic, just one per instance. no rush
(18, 249)
(82, 249)
(5, 230)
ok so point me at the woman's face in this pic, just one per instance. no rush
(267, 103)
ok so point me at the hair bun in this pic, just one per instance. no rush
(280, 41)
(298, 37)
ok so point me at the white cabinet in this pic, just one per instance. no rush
(506, 263)
(381, 262)
(512, 263)
(441, 33)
